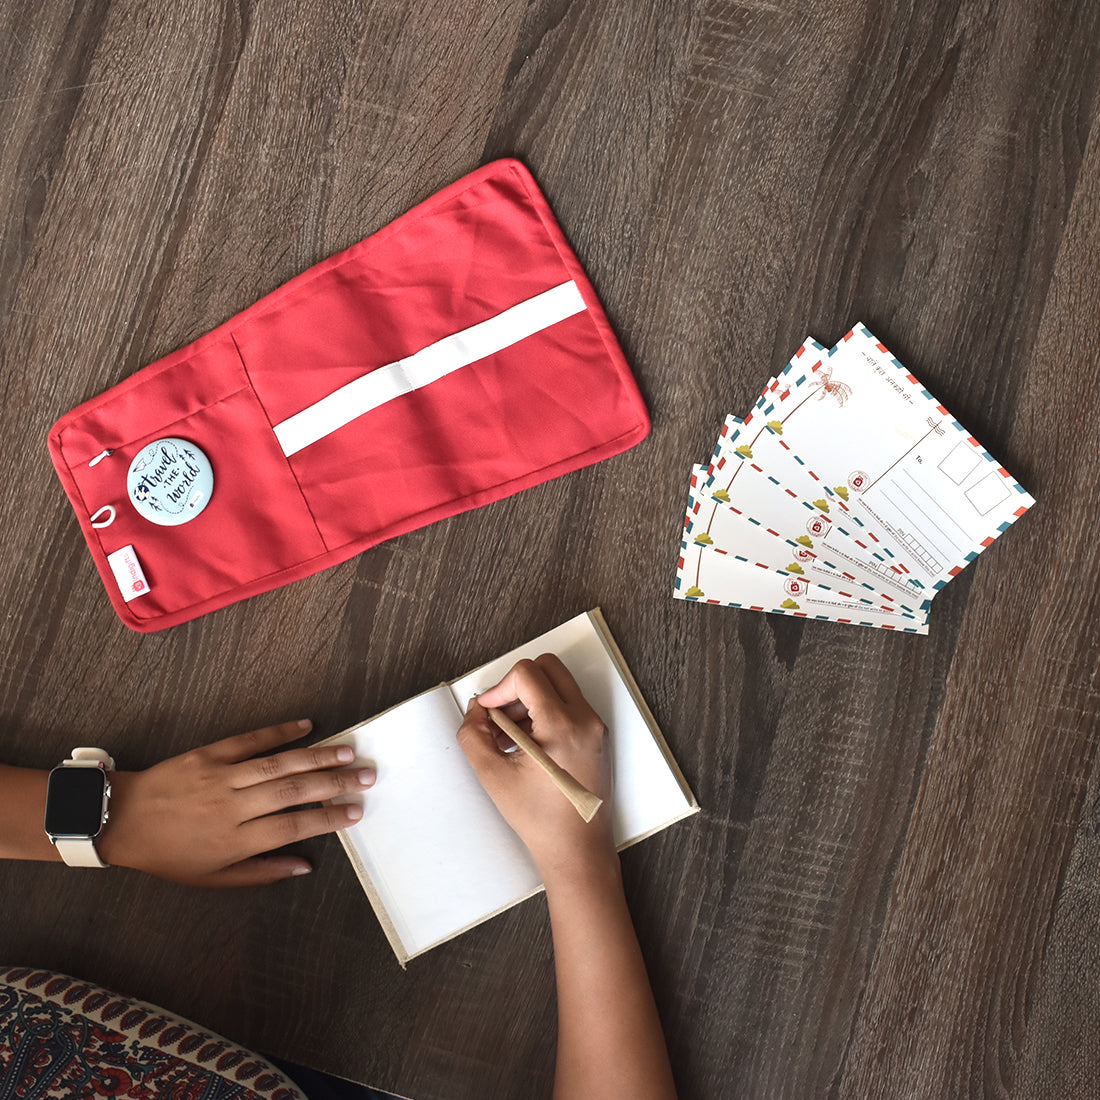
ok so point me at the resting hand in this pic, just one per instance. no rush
(205, 817)
(543, 698)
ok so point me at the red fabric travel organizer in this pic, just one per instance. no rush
(471, 357)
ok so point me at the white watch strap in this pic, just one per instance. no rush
(89, 758)
(80, 851)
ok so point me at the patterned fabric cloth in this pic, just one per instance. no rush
(60, 1037)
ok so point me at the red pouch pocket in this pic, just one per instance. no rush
(455, 357)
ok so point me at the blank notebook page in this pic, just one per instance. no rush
(435, 847)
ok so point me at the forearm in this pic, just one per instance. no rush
(610, 1042)
(22, 810)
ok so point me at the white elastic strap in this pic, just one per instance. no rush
(98, 522)
(428, 365)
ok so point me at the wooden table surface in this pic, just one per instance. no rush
(892, 890)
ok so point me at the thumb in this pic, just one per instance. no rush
(477, 737)
(259, 871)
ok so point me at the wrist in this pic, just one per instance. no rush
(116, 842)
(582, 871)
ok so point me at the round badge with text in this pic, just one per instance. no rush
(170, 482)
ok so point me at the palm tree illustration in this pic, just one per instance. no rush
(840, 390)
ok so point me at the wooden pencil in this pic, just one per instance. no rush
(586, 803)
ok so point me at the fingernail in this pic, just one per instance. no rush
(301, 870)
(366, 776)
(353, 812)
(345, 754)
(304, 724)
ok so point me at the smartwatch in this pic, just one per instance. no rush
(77, 799)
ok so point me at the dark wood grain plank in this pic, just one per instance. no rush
(864, 907)
(1059, 1055)
(222, 157)
(782, 936)
(971, 905)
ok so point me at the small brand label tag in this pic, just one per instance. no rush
(129, 576)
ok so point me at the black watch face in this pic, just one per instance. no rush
(74, 801)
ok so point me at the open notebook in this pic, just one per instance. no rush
(432, 852)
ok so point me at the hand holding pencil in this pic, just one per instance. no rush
(541, 708)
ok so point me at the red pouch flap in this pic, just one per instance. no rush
(451, 359)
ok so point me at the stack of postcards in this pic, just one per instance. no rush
(848, 493)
